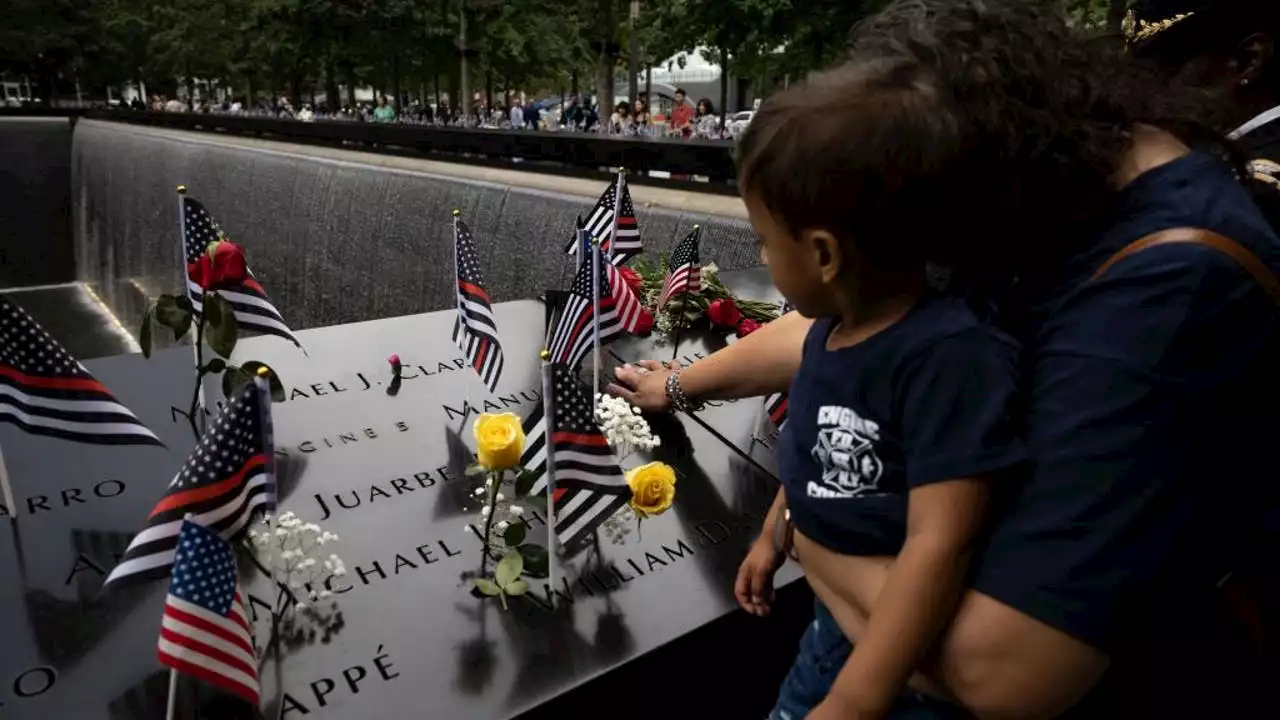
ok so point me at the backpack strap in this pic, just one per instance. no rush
(1241, 596)
(1244, 257)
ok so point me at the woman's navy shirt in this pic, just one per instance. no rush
(1151, 393)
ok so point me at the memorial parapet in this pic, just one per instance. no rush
(333, 238)
(406, 638)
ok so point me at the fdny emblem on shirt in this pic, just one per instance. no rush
(847, 453)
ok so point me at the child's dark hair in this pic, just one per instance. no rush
(863, 152)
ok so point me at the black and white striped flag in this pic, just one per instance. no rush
(600, 224)
(253, 309)
(589, 484)
(575, 330)
(475, 330)
(45, 391)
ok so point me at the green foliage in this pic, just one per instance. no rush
(274, 383)
(537, 561)
(144, 334)
(524, 483)
(514, 535)
(220, 319)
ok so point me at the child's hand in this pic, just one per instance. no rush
(754, 586)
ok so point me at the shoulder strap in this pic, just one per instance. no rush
(1261, 274)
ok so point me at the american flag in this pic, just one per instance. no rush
(776, 406)
(254, 311)
(225, 480)
(475, 330)
(575, 330)
(625, 302)
(205, 631)
(534, 457)
(600, 224)
(685, 274)
(589, 484)
(45, 391)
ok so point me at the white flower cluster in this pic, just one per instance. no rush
(619, 525)
(623, 426)
(292, 550)
(505, 512)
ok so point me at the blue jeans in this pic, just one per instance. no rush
(823, 651)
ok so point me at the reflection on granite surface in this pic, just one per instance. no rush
(405, 599)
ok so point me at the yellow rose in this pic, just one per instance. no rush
(653, 487)
(499, 440)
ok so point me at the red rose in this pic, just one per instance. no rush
(632, 278)
(221, 267)
(725, 313)
(644, 325)
(747, 326)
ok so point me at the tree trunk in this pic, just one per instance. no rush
(724, 86)
(397, 102)
(463, 101)
(488, 88)
(191, 88)
(436, 84)
(573, 82)
(331, 86)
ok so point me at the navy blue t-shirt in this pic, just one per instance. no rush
(1151, 433)
(930, 398)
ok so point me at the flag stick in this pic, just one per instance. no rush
(173, 694)
(684, 304)
(595, 318)
(9, 503)
(548, 420)
(619, 185)
(716, 434)
(182, 266)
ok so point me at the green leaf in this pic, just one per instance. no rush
(144, 334)
(537, 562)
(182, 328)
(518, 587)
(514, 534)
(169, 314)
(222, 324)
(233, 379)
(273, 380)
(486, 586)
(215, 366)
(509, 569)
(524, 483)
(184, 303)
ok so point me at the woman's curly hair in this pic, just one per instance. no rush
(1046, 114)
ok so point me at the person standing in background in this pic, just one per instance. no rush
(384, 113)
(1227, 47)
(517, 114)
(681, 118)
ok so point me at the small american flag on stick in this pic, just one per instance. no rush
(475, 331)
(685, 275)
(575, 330)
(589, 483)
(253, 309)
(600, 224)
(225, 480)
(205, 631)
(45, 391)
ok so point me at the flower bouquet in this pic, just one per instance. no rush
(712, 307)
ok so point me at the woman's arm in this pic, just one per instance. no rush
(917, 600)
(758, 364)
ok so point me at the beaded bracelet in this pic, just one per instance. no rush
(677, 398)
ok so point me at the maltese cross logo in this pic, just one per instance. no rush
(849, 463)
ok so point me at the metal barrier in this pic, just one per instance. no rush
(700, 165)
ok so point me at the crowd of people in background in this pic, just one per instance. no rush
(576, 113)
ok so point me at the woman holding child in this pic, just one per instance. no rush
(1015, 501)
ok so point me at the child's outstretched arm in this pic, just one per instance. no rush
(918, 599)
